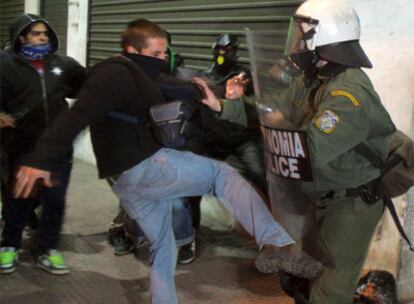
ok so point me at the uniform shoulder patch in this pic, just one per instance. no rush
(327, 121)
(346, 94)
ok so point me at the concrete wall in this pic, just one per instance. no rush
(32, 6)
(77, 48)
(387, 37)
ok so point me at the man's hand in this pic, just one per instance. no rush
(27, 178)
(273, 119)
(210, 99)
(235, 87)
(6, 121)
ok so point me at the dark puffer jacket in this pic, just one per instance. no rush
(34, 99)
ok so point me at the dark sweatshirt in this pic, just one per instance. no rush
(118, 145)
(36, 99)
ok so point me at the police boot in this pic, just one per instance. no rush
(297, 288)
(291, 258)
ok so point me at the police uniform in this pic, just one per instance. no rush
(344, 112)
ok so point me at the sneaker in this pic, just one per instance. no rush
(8, 259)
(186, 253)
(53, 262)
(120, 241)
(272, 259)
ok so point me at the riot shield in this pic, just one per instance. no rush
(288, 163)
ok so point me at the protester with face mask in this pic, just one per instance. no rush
(34, 84)
(225, 65)
(123, 233)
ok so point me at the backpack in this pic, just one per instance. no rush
(397, 175)
(399, 178)
(171, 122)
(397, 172)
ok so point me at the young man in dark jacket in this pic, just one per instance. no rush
(34, 84)
(151, 178)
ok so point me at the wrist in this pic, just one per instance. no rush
(218, 106)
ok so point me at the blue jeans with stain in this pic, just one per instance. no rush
(149, 190)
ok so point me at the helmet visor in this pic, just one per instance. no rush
(301, 35)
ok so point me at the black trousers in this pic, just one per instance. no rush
(17, 211)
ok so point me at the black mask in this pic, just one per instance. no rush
(306, 62)
(151, 66)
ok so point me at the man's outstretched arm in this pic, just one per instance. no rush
(27, 178)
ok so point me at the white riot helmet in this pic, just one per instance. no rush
(328, 30)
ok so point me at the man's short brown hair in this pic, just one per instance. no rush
(138, 32)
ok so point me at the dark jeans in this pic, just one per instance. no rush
(52, 200)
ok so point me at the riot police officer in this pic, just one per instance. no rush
(332, 108)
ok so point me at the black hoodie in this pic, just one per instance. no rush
(34, 99)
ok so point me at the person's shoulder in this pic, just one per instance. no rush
(7, 61)
(352, 87)
(6, 55)
(64, 59)
(353, 77)
(112, 70)
(353, 80)
(116, 65)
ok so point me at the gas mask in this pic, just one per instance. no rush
(224, 57)
(300, 44)
(224, 51)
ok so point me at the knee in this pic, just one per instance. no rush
(225, 169)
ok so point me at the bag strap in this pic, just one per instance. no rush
(390, 205)
(124, 117)
(391, 162)
(373, 158)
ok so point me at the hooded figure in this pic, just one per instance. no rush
(34, 84)
(35, 80)
(21, 25)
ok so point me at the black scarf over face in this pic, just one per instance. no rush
(172, 89)
(151, 66)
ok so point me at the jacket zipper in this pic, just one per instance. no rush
(43, 86)
(44, 97)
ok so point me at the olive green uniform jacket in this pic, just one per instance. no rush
(346, 112)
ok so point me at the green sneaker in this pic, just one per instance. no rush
(53, 262)
(8, 259)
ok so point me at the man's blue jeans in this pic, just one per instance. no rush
(149, 190)
(182, 223)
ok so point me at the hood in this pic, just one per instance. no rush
(22, 22)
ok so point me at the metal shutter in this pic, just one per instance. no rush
(194, 24)
(9, 9)
(56, 13)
